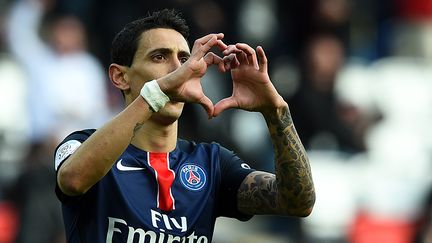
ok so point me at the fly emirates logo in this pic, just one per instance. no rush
(160, 221)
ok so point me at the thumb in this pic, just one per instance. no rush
(207, 104)
(224, 104)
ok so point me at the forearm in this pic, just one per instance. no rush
(95, 157)
(295, 193)
(290, 190)
(23, 24)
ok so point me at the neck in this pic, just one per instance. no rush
(154, 137)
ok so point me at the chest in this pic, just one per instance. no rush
(171, 192)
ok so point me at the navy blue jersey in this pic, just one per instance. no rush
(155, 197)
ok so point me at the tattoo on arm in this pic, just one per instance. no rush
(136, 128)
(291, 190)
(258, 193)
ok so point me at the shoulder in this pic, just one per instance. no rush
(227, 159)
(70, 144)
(188, 146)
(79, 136)
(81, 133)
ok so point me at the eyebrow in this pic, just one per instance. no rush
(167, 51)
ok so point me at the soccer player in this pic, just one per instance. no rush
(134, 180)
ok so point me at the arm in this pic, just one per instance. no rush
(23, 38)
(104, 147)
(290, 191)
(100, 150)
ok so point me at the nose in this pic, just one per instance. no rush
(175, 63)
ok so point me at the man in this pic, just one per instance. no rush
(59, 53)
(133, 180)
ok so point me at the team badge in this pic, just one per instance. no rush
(193, 177)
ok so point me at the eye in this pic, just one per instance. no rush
(183, 59)
(158, 57)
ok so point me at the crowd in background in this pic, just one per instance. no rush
(357, 75)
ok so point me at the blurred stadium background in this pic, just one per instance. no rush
(357, 75)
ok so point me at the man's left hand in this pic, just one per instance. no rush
(252, 87)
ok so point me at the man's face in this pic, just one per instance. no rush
(160, 51)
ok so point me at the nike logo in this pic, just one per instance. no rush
(122, 167)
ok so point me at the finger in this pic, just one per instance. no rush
(262, 58)
(221, 45)
(242, 58)
(205, 42)
(227, 62)
(207, 104)
(231, 62)
(205, 39)
(223, 105)
(211, 58)
(231, 49)
(250, 53)
(202, 50)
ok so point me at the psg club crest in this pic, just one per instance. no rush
(193, 177)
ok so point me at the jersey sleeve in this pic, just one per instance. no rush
(233, 171)
(67, 147)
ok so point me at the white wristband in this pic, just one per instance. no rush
(154, 96)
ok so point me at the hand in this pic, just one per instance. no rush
(252, 88)
(184, 84)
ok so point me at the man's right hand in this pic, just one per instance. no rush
(184, 84)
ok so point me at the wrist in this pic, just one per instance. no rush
(162, 83)
(167, 84)
(170, 83)
(279, 116)
(277, 106)
(154, 96)
(276, 112)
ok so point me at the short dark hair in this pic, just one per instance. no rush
(125, 43)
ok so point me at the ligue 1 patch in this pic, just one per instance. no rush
(193, 177)
(65, 150)
(245, 166)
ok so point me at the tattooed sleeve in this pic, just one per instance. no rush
(290, 191)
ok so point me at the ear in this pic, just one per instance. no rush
(118, 76)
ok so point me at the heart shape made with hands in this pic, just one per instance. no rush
(252, 88)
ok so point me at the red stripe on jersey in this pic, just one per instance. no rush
(165, 178)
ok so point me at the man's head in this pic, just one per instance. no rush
(148, 49)
(126, 42)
